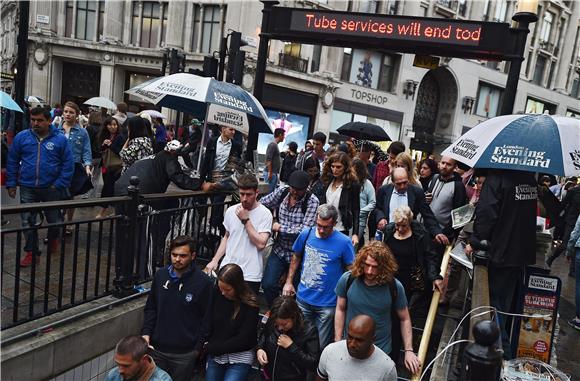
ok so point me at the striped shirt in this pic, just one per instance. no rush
(245, 357)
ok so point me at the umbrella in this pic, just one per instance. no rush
(365, 131)
(7, 102)
(206, 98)
(153, 114)
(101, 102)
(526, 142)
(31, 99)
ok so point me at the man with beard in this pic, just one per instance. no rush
(133, 362)
(356, 356)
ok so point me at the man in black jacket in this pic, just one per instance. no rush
(505, 216)
(399, 193)
(175, 311)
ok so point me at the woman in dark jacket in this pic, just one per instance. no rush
(288, 348)
(232, 327)
(427, 169)
(110, 141)
(312, 167)
(418, 263)
(341, 189)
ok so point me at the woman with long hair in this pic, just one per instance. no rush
(111, 141)
(93, 128)
(342, 189)
(288, 348)
(138, 144)
(368, 199)
(232, 327)
(315, 187)
(427, 169)
(79, 143)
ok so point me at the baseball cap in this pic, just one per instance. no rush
(299, 180)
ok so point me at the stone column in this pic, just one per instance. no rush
(113, 21)
(107, 80)
(74, 20)
(476, 9)
(61, 18)
(44, 8)
(412, 8)
(188, 34)
(199, 29)
(561, 82)
(160, 31)
(175, 24)
(139, 27)
(222, 22)
(127, 21)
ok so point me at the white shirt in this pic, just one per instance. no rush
(333, 198)
(222, 154)
(397, 200)
(239, 249)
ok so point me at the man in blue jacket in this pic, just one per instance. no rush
(41, 162)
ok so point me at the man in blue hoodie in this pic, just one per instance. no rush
(41, 163)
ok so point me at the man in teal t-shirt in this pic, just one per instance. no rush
(325, 254)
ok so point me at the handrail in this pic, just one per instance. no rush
(424, 345)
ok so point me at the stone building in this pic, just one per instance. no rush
(81, 49)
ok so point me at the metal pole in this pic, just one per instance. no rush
(222, 63)
(22, 62)
(521, 31)
(482, 360)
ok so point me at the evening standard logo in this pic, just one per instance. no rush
(230, 101)
(148, 94)
(575, 156)
(526, 192)
(465, 148)
(229, 118)
(176, 89)
(518, 155)
(541, 283)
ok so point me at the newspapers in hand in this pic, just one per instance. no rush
(462, 215)
(459, 255)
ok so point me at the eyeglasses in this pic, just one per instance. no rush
(324, 227)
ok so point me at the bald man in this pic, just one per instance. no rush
(357, 355)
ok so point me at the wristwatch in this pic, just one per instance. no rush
(244, 221)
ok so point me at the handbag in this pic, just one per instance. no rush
(111, 161)
(417, 278)
(81, 182)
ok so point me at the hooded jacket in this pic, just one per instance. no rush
(425, 255)
(36, 163)
(293, 362)
(175, 310)
(505, 216)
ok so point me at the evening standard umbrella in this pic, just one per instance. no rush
(153, 113)
(101, 102)
(526, 142)
(8, 103)
(364, 131)
(216, 102)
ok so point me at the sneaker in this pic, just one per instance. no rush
(28, 258)
(574, 323)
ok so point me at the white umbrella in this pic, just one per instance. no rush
(101, 102)
(35, 100)
(525, 142)
(154, 114)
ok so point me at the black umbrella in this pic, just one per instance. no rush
(364, 131)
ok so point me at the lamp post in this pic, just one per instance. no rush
(21, 63)
(525, 15)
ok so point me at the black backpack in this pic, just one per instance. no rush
(288, 166)
(304, 205)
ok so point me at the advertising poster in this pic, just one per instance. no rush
(365, 68)
(296, 127)
(540, 300)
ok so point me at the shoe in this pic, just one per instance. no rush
(574, 323)
(28, 258)
(54, 246)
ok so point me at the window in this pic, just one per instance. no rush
(462, 10)
(535, 106)
(575, 90)
(573, 113)
(369, 69)
(369, 6)
(488, 100)
(209, 25)
(315, 64)
(485, 11)
(392, 7)
(546, 28)
(539, 70)
(150, 19)
(88, 20)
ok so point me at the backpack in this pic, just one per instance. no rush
(304, 205)
(288, 166)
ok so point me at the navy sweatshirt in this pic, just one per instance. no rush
(175, 310)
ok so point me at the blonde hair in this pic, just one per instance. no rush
(403, 213)
(405, 160)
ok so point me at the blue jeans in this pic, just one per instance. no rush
(275, 267)
(226, 372)
(273, 183)
(29, 219)
(320, 317)
(577, 264)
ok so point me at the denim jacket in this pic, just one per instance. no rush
(80, 144)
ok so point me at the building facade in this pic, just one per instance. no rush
(81, 49)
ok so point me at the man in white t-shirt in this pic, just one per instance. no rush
(248, 227)
(356, 358)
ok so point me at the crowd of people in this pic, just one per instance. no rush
(345, 245)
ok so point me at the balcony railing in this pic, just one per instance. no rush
(293, 63)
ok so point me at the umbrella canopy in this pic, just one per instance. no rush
(153, 114)
(364, 131)
(101, 102)
(206, 98)
(527, 142)
(34, 100)
(7, 102)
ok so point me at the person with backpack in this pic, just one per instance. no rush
(295, 210)
(371, 288)
(289, 162)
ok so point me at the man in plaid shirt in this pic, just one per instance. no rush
(296, 210)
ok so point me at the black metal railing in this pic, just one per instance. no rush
(292, 62)
(102, 256)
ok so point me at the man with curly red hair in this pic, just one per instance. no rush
(371, 288)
